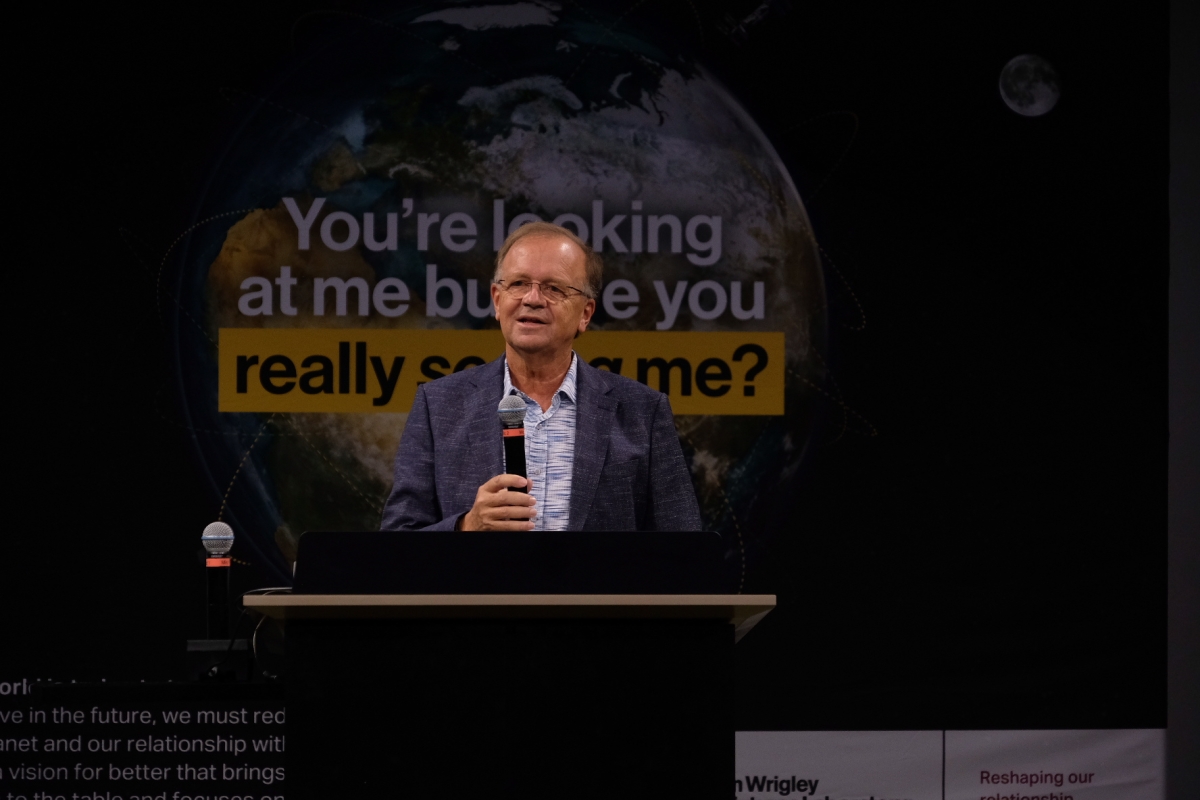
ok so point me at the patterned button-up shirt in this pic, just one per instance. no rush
(550, 450)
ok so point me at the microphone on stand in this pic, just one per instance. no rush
(512, 420)
(218, 541)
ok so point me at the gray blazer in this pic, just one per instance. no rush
(629, 470)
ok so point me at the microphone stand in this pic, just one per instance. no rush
(219, 657)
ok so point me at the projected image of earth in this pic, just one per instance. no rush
(448, 109)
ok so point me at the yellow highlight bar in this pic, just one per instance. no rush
(370, 370)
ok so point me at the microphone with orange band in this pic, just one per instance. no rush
(218, 541)
(512, 423)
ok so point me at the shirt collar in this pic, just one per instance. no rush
(567, 388)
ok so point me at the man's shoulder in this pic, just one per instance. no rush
(618, 386)
(464, 383)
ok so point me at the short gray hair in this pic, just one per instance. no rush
(593, 264)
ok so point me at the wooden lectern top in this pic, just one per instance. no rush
(743, 611)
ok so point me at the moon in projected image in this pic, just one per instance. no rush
(1029, 86)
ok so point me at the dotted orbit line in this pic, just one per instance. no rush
(838, 389)
(741, 543)
(191, 319)
(736, 527)
(840, 398)
(780, 202)
(845, 282)
(374, 504)
(845, 151)
(163, 416)
(167, 418)
(132, 240)
(174, 300)
(193, 429)
(163, 264)
(845, 408)
(224, 501)
(242, 463)
(828, 372)
(862, 314)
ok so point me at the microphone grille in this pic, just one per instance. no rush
(512, 411)
(217, 538)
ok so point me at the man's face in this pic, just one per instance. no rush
(535, 324)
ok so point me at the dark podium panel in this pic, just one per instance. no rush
(534, 562)
(509, 695)
(513, 708)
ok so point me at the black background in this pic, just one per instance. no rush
(979, 541)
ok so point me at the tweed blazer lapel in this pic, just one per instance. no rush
(484, 439)
(595, 412)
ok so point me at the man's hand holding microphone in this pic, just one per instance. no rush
(504, 502)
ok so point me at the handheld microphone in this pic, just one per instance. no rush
(512, 421)
(218, 541)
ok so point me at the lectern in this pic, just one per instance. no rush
(533, 693)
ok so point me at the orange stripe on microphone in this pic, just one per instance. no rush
(217, 562)
(513, 432)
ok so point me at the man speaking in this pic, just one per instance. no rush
(601, 451)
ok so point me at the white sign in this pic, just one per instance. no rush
(1055, 765)
(951, 765)
(883, 765)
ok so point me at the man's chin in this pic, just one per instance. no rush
(534, 343)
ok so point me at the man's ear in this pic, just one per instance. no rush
(589, 309)
(495, 300)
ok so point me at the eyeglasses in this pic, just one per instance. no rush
(551, 292)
